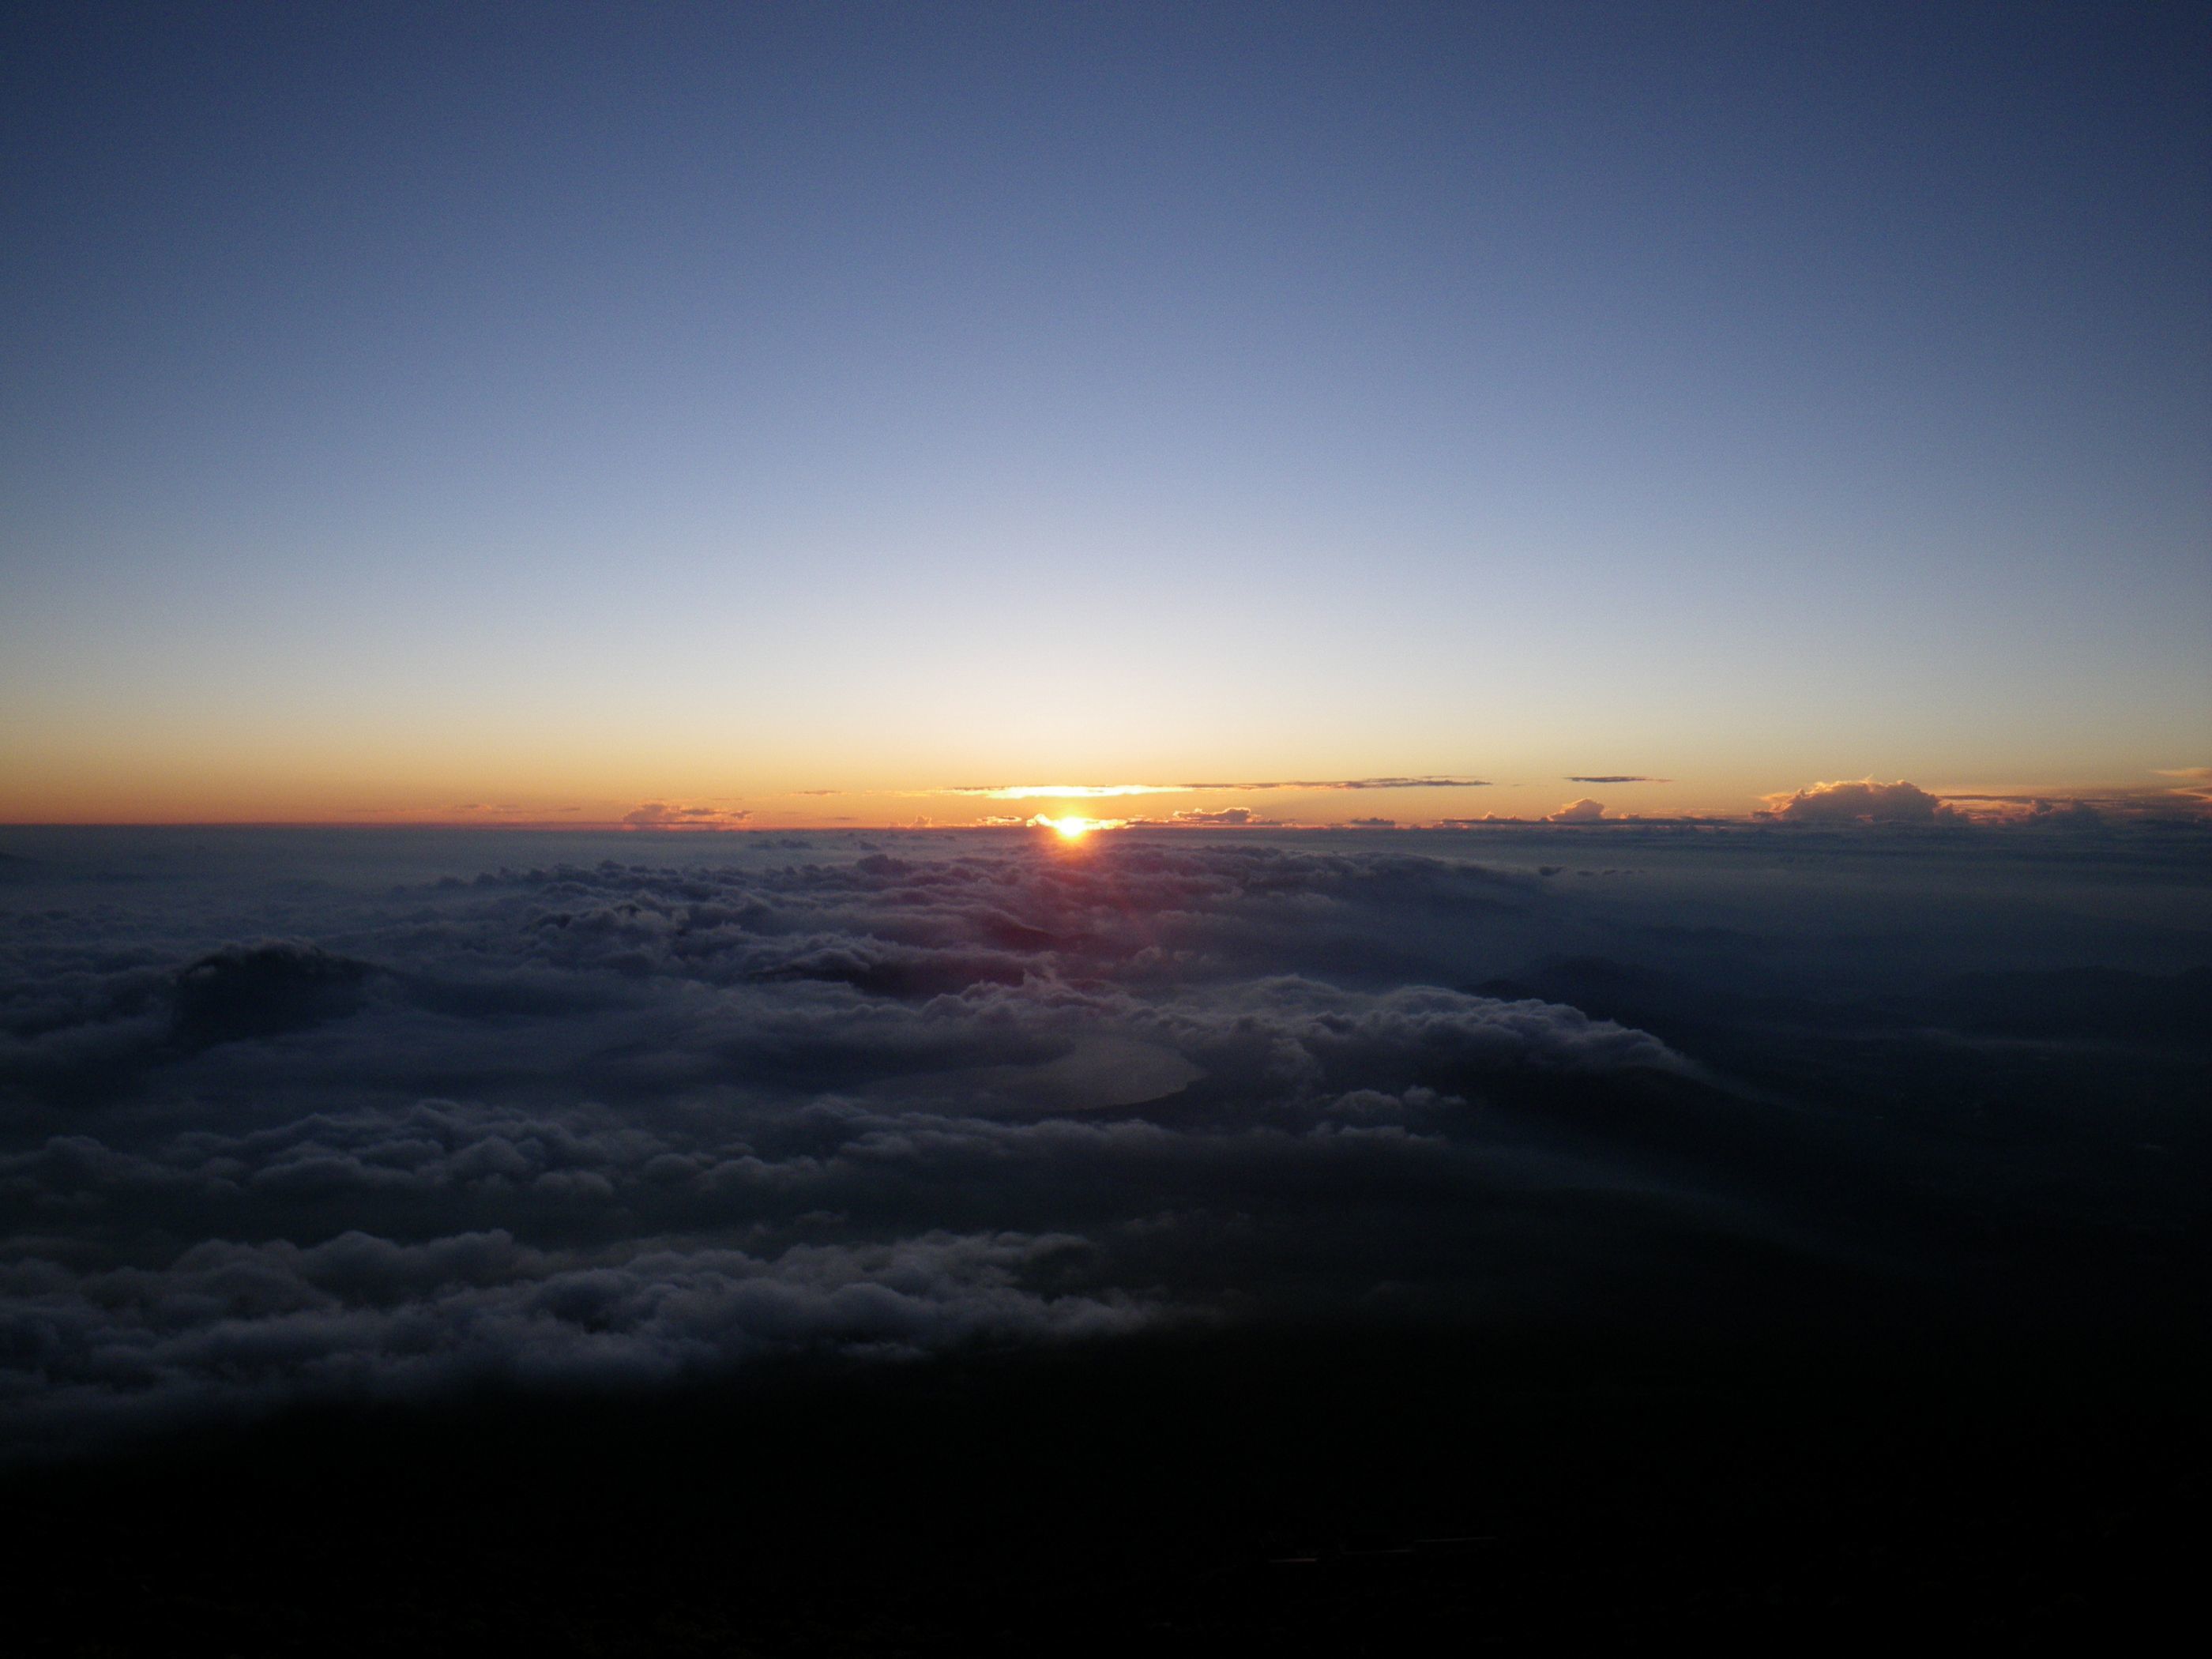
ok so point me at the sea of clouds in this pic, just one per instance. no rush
(298, 1115)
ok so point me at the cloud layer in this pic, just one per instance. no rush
(295, 1115)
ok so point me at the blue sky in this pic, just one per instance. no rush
(578, 405)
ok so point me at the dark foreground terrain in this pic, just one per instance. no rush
(1350, 1493)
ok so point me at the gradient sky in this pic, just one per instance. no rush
(558, 409)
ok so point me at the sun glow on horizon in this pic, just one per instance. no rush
(1074, 828)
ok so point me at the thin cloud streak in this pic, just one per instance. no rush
(1100, 791)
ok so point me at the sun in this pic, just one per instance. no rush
(1073, 829)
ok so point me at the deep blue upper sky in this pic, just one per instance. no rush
(410, 403)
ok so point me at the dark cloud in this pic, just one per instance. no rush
(2074, 815)
(2153, 810)
(258, 990)
(1617, 778)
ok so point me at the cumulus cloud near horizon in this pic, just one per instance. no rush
(1865, 801)
(660, 815)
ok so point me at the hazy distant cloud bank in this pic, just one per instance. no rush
(278, 1123)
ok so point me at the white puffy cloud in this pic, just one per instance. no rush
(1863, 802)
